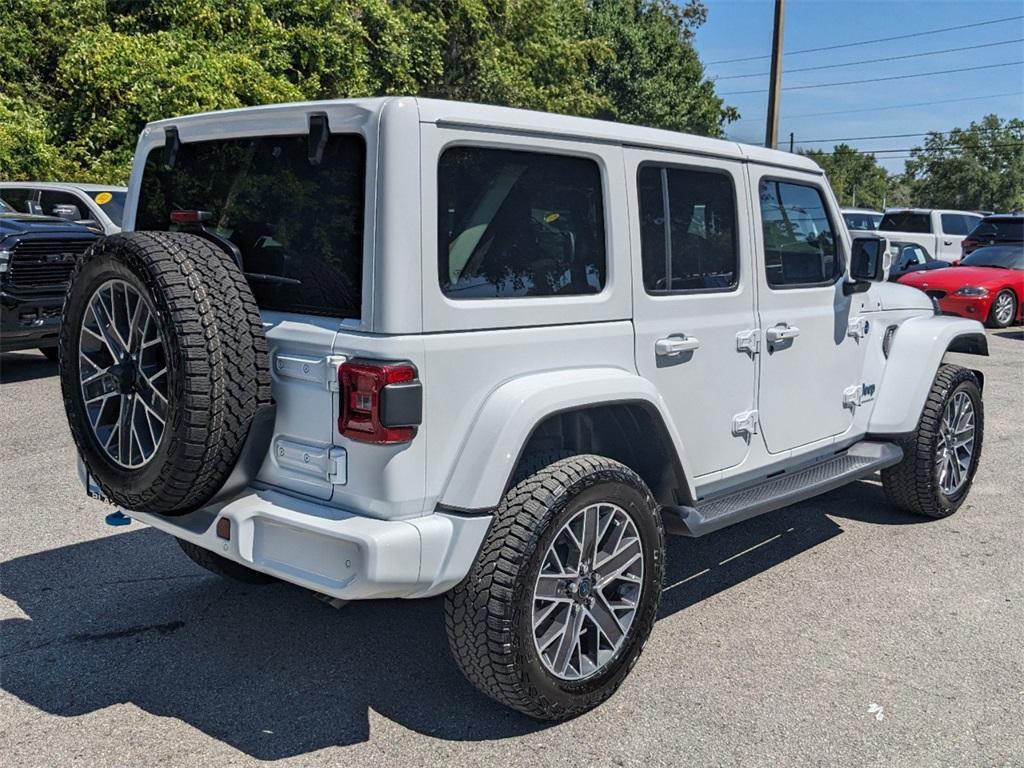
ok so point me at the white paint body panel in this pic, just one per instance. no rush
(492, 370)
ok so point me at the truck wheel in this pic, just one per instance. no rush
(1004, 310)
(223, 567)
(163, 365)
(941, 456)
(563, 595)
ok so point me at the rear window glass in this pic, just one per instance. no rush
(298, 226)
(513, 224)
(1000, 230)
(903, 221)
(111, 203)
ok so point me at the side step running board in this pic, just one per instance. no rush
(860, 460)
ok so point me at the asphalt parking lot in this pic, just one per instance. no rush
(835, 632)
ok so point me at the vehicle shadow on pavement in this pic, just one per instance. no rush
(275, 673)
(24, 366)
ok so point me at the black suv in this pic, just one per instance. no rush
(37, 254)
(999, 229)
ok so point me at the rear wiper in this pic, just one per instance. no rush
(262, 277)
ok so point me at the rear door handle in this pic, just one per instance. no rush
(781, 332)
(675, 344)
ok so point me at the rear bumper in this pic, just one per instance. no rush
(27, 322)
(332, 551)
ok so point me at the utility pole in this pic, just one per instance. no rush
(771, 135)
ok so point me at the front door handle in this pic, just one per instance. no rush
(675, 344)
(781, 332)
(947, 242)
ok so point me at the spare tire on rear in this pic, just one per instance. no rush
(163, 365)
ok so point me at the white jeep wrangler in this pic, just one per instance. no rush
(401, 348)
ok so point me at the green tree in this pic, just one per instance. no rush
(79, 78)
(856, 177)
(980, 167)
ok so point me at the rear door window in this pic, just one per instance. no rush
(18, 198)
(514, 224)
(955, 224)
(906, 221)
(799, 240)
(687, 230)
(298, 225)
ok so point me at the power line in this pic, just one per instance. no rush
(869, 42)
(904, 150)
(876, 61)
(881, 79)
(892, 106)
(891, 136)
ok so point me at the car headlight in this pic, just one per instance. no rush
(972, 290)
(5, 259)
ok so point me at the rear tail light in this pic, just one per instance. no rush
(381, 403)
(190, 217)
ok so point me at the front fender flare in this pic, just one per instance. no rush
(915, 356)
(511, 413)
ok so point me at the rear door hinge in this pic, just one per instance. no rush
(337, 466)
(745, 423)
(857, 328)
(334, 362)
(749, 341)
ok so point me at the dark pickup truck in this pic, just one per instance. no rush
(37, 254)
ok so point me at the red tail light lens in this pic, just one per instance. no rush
(190, 217)
(381, 403)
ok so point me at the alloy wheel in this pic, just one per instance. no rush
(123, 373)
(955, 447)
(587, 592)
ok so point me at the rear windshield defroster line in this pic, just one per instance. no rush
(298, 226)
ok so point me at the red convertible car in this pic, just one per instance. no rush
(987, 285)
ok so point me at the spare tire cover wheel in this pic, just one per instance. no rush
(163, 366)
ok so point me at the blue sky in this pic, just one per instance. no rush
(742, 28)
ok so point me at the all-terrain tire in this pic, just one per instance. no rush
(223, 567)
(913, 484)
(488, 616)
(216, 353)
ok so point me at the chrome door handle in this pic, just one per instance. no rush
(675, 344)
(781, 332)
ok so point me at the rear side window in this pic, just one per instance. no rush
(687, 230)
(17, 198)
(299, 226)
(513, 224)
(905, 221)
(955, 224)
(799, 242)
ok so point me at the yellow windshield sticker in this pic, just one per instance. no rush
(103, 198)
(552, 217)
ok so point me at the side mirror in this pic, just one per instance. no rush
(870, 261)
(67, 212)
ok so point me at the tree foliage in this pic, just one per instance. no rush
(79, 78)
(856, 178)
(980, 167)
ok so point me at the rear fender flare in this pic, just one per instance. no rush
(510, 414)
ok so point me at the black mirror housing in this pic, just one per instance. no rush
(870, 259)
